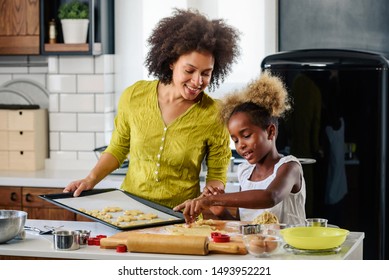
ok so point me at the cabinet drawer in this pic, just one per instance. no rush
(10, 197)
(4, 140)
(4, 158)
(53, 213)
(31, 197)
(3, 119)
(22, 120)
(38, 208)
(21, 140)
(25, 160)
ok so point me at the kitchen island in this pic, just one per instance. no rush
(41, 247)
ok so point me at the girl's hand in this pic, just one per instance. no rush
(213, 188)
(193, 208)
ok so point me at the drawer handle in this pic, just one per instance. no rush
(28, 197)
(20, 112)
(21, 152)
(21, 132)
(14, 196)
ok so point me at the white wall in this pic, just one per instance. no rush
(135, 19)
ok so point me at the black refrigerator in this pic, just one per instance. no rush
(339, 118)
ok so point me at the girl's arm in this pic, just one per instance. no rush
(288, 179)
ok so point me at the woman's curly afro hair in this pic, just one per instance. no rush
(186, 31)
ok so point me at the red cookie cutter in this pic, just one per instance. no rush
(121, 248)
(219, 237)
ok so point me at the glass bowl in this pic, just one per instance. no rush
(262, 245)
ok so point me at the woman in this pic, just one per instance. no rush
(268, 180)
(170, 125)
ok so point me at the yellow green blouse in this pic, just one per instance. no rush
(165, 161)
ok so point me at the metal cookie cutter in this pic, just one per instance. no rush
(250, 229)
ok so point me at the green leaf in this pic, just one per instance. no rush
(73, 10)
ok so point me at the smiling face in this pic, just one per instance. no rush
(251, 141)
(192, 73)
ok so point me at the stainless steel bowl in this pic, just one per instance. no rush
(66, 240)
(11, 224)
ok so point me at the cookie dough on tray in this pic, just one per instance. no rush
(122, 218)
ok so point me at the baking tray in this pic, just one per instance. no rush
(99, 199)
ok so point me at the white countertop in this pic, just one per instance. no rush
(53, 178)
(60, 178)
(41, 246)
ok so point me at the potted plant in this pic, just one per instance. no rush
(74, 16)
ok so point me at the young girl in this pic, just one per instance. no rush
(269, 181)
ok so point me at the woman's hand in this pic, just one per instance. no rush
(79, 186)
(105, 165)
(213, 188)
(193, 208)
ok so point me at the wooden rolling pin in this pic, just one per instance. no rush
(173, 244)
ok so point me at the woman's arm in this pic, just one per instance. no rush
(105, 165)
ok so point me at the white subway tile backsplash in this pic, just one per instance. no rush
(76, 64)
(108, 120)
(91, 122)
(62, 83)
(81, 100)
(39, 78)
(104, 64)
(40, 69)
(54, 141)
(53, 67)
(109, 99)
(109, 85)
(53, 102)
(13, 70)
(105, 102)
(5, 78)
(108, 136)
(77, 141)
(90, 83)
(100, 139)
(63, 155)
(82, 103)
(99, 103)
(63, 122)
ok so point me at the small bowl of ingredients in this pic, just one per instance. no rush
(262, 245)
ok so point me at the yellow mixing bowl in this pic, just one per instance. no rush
(314, 238)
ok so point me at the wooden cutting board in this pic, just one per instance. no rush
(160, 240)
